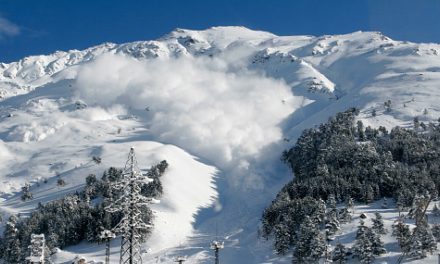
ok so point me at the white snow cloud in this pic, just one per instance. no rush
(206, 106)
(7, 28)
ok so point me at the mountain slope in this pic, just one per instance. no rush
(231, 97)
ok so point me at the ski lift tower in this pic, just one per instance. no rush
(216, 246)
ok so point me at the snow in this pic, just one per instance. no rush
(220, 105)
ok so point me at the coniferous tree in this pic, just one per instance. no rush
(26, 195)
(378, 225)
(422, 242)
(331, 226)
(282, 239)
(311, 243)
(345, 215)
(368, 194)
(363, 247)
(416, 123)
(320, 215)
(362, 229)
(377, 244)
(332, 217)
(340, 254)
(12, 252)
(387, 105)
(402, 233)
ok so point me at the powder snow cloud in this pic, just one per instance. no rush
(207, 106)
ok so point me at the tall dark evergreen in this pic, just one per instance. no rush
(340, 254)
(422, 242)
(26, 192)
(378, 225)
(311, 243)
(377, 244)
(363, 247)
(12, 251)
(403, 234)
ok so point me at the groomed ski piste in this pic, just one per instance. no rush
(220, 105)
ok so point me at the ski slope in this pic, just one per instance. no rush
(220, 105)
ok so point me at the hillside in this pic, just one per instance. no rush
(220, 105)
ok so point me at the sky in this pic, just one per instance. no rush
(44, 26)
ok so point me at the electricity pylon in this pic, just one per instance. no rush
(131, 203)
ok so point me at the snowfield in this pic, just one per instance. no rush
(220, 105)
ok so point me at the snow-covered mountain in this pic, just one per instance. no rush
(220, 105)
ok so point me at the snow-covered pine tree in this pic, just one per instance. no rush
(319, 217)
(363, 247)
(402, 233)
(332, 217)
(12, 247)
(368, 194)
(52, 240)
(331, 204)
(331, 226)
(418, 209)
(361, 229)
(339, 254)
(377, 245)
(311, 243)
(367, 244)
(422, 241)
(416, 249)
(283, 238)
(26, 195)
(378, 225)
(416, 123)
(345, 215)
(131, 203)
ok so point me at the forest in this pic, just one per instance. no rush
(341, 162)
